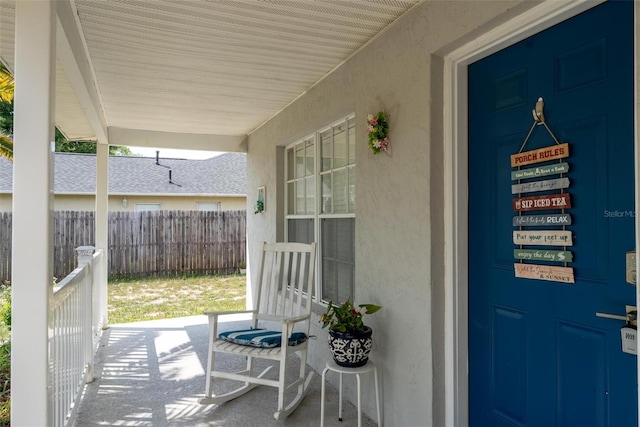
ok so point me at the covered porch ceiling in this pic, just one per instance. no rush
(194, 74)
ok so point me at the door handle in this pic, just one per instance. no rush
(631, 317)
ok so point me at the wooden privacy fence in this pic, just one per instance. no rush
(158, 243)
(176, 242)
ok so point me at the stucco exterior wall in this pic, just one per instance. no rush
(397, 196)
(87, 202)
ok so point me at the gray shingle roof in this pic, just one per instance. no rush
(76, 173)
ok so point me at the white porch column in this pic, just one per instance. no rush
(102, 224)
(32, 266)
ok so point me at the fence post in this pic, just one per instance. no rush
(85, 257)
(84, 254)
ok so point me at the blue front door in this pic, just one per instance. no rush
(538, 355)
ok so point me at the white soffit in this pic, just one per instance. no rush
(219, 67)
(70, 117)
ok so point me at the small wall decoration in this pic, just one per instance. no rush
(378, 132)
(528, 183)
(261, 200)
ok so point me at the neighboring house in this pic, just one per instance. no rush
(143, 183)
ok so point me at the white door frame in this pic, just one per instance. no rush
(456, 187)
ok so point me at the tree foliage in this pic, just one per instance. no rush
(6, 117)
(120, 150)
(6, 146)
(6, 112)
(63, 145)
(6, 83)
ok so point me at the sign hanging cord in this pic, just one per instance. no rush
(538, 119)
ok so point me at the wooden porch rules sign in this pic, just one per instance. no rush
(540, 203)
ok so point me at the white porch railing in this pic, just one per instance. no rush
(74, 328)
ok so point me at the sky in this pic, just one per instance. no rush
(166, 152)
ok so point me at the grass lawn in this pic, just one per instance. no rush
(5, 384)
(135, 300)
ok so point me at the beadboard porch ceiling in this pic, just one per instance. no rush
(217, 68)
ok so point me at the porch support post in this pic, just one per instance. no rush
(32, 261)
(102, 228)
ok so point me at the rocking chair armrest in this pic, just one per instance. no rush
(288, 324)
(225, 313)
(296, 319)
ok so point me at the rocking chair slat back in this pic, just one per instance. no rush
(285, 295)
(286, 288)
(300, 267)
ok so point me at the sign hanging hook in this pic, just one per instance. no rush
(538, 112)
(538, 119)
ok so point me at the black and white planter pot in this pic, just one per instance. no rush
(350, 349)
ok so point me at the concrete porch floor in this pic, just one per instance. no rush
(152, 374)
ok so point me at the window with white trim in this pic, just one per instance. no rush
(144, 207)
(208, 206)
(320, 204)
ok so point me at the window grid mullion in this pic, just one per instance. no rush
(317, 215)
(316, 221)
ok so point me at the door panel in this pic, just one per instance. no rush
(538, 355)
(580, 401)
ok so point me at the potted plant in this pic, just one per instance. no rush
(349, 338)
(242, 266)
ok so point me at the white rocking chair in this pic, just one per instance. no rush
(283, 289)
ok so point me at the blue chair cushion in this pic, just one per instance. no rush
(262, 338)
